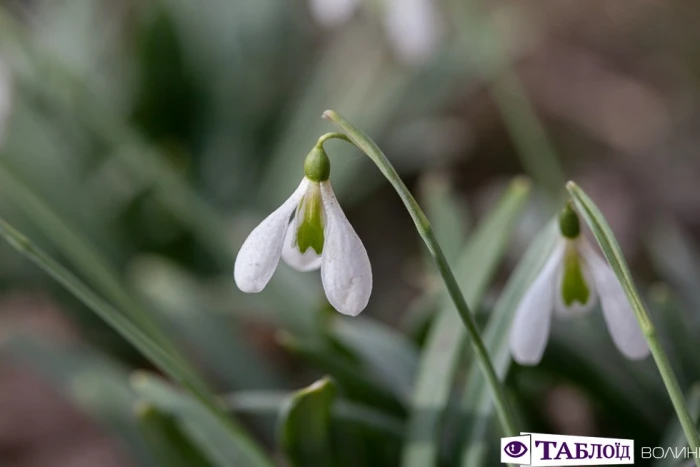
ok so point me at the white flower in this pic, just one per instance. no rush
(574, 277)
(414, 27)
(309, 231)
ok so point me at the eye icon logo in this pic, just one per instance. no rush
(515, 449)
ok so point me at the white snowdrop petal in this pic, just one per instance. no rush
(291, 255)
(561, 309)
(414, 28)
(258, 257)
(619, 316)
(331, 13)
(345, 269)
(530, 329)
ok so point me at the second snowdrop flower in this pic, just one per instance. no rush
(309, 231)
(572, 280)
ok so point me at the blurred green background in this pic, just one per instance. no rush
(145, 140)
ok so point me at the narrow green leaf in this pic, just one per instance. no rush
(439, 361)
(611, 249)
(343, 411)
(674, 437)
(477, 405)
(304, 425)
(386, 354)
(168, 442)
(200, 425)
(249, 453)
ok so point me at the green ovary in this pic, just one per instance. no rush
(310, 225)
(573, 285)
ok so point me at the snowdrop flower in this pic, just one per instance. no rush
(414, 27)
(309, 231)
(574, 277)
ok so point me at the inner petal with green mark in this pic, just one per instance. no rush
(310, 220)
(573, 285)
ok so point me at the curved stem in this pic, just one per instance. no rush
(370, 148)
(611, 249)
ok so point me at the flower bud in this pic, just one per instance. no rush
(569, 224)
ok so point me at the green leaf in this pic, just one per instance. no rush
(168, 442)
(343, 411)
(611, 249)
(249, 454)
(477, 405)
(386, 354)
(448, 218)
(200, 425)
(357, 384)
(439, 361)
(304, 426)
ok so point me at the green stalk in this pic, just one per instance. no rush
(611, 249)
(370, 148)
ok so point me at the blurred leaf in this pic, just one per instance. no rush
(247, 452)
(200, 425)
(386, 354)
(215, 337)
(343, 411)
(354, 381)
(95, 383)
(448, 218)
(304, 426)
(169, 443)
(678, 260)
(674, 437)
(440, 358)
(477, 404)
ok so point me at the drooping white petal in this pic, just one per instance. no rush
(258, 257)
(563, 310)
(345, 269)
(530, 331)
(331, 13)
(307, 261)
(617, 311)
(414, 28)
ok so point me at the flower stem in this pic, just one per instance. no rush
(611, 249)
(370, 148)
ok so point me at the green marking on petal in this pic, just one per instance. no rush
(573, 285)
(310, 224)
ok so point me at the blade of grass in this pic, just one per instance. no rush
(477, 409)
(304, 425)
(445, 343)
(250, 453)
(611, 249)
